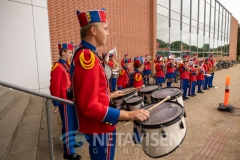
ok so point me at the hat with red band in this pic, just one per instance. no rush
(91, 16)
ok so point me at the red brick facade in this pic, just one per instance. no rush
(132, 24)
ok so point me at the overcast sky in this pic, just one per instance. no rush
(233, 7)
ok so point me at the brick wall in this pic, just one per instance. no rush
(132, 24)
(233, 39)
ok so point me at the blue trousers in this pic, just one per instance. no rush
(102, 146)
(184, 86)
(210, 80)
(206, 79)
(113, 84)
(192, 85)
(69, 126)
(136, 134)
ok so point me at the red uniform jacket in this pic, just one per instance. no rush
(192, 74)
(200, 75)
(137, 79)
(111, 63)
(159, 69)
(184, 74)
(170, 67)
(147, 65)
(123, 79)
(91, 93)
(206, 67)
(60, 80)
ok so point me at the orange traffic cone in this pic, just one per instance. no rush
(226, 106)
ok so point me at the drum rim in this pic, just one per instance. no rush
(159, 87)
(173, 97)
(126, 95)
(171, 150)
(161, 125)
(134, 103)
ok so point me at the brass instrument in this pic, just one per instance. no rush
(115, 66)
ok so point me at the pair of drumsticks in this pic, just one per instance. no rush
(154, 106)
(133, 89)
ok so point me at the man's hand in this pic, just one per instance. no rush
(139, 114)
(116, 94)
(56, 110)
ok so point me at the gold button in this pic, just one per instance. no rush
(110, 124)
(107, 122)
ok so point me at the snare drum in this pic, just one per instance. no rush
(108, 71)
(135, 103)
(121, 100)
(164, 130)
(147, 91)
(174, 92)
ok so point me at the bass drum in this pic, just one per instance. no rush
(108, 71)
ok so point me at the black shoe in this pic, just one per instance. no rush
(191, 96)
(72, 156)
(199, 92)
(176, 81)
(187, 98)
(195, 95)
(184, 98)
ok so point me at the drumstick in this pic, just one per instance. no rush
(154, 106)
(133, 89)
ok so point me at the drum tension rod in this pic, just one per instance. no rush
(181, 125)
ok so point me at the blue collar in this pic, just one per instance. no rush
(62, 61)
(88, 45)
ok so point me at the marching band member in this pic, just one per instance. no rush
(124, 75)
(184, 76)
(206, 67)
(160, 67)
(192, 78)
(113, 81)
(90, 89)
(147, 69)
(136, 80)
(59, 84)
(122, 61)
(212, 62)
(200, 76)
(170, 69)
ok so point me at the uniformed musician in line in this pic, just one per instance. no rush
(124, 74)
(59, 84)
(159, 68)
(90, 88)
(184, 76)
(113, 82)
(124, 58)
(212, 61)
(200, 76)
(147, 69)
(170, 69)
(192, 78)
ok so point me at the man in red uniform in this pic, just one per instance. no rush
(59, 84)
(122, 61)
(192, 78)
(200, 76)
(147, 69)
(113, 81)
(124, 75)
(160, 67)
(184, 76)
(206, 67)
(170, 69)
(97, 120)
(212, 62)
(136, 78)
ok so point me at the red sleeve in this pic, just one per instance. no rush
(55, 82)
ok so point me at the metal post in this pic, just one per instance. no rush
(50, 141)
